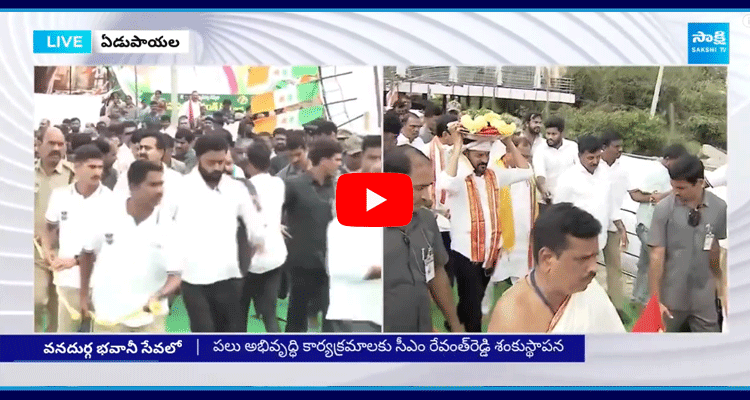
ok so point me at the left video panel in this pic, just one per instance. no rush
(202, 199)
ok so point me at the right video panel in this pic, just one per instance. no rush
(557, 199)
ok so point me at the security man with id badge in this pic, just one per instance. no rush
(685, 272)
(415, 257)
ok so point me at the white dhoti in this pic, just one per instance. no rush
(515, 264)
(590, 311)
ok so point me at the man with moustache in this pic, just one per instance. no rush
(131, 250)
(75, 125)
(71, 212)
(410, 133)
(279, 156)
(51, 172)
(414, 256)
(193, 110)
(479, 214)
(169, 160)
(210, 205)
(183, 148)
(152, 147)
(588, 185)
(560, 295)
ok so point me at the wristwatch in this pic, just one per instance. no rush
(77, 260)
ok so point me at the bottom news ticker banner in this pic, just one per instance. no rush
(293, 348)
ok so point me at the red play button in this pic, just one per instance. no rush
(377, 199)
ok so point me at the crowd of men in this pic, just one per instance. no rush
(132, 211)
(539, 212)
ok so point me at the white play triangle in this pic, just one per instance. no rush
(373, 200)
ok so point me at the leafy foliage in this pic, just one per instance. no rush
(620, 98)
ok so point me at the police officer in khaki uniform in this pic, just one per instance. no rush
(51, 172)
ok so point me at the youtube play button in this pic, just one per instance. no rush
(378, 199)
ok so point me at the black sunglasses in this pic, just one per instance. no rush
(694, 218)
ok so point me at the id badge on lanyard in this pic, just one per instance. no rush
(428, 257)
(709, 240)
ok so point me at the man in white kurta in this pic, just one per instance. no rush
(588, 186)
(192, 110)
(129, 259)
(410, 134)
(552, 159)
(72, 211)
(475, 224)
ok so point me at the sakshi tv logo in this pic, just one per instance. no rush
(708, 43)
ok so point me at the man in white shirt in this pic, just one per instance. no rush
(588, 186)
(532, 129)
(192, 109)
(125, 154)
(476, 221)
(620, 181)
(152, 147)
(438, 150)
(69, 216)
(135, 269)
(410, 133)
(655, 186)
(551, 160)
(355, 267)
(206, 223)
(263, 280)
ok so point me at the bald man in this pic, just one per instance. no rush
(51, 172)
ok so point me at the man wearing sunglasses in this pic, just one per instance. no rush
(685, 273)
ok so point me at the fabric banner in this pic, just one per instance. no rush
(285, 97)
(289, 120)
(260, 75)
